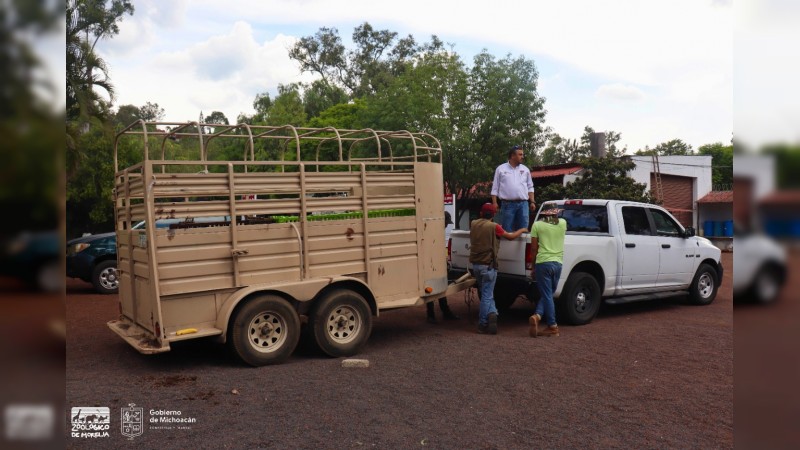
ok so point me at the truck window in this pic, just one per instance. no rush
(665, 226)
(634, 218)
(586, 218)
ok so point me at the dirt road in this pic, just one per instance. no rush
(649, 374)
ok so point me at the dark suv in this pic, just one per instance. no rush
(93, 258)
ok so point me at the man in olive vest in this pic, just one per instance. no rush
(483, 247)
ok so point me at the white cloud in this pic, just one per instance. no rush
(212, 56)
(619, 91)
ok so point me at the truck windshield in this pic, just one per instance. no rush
(586, 218)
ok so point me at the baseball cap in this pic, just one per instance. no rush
(488, 208)
(550, 211)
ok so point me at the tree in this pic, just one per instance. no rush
(603, 178)
(32, 143)
(320, 96)
(87, 22)
(674, 147)
(287, 109)
(721, 164)
(612, 137)
(560, 150)
(377, 58)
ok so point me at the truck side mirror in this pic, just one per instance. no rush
(689, 232)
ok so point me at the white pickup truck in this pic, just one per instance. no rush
(617, 251)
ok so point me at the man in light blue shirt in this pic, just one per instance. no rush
(513, 187)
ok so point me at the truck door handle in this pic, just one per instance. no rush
(629, 245)
(665, 246)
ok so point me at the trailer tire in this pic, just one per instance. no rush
(264, 331)
(579, 303)
(341, 323)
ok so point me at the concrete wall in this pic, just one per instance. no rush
(759, 168)
(697, 167)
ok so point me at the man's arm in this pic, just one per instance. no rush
(514, 235)
(534, 249)
(531, 201)
(495, 186)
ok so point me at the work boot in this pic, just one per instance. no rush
(534, 321)
(552, 330)
(447, 313)
(483, 329)
(431, 315)
(492, 323)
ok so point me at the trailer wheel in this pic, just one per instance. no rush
(579, 303)
(341, 323)
(265, 330)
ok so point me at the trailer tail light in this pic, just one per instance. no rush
(449, 250)
(573, 202)
(528, 261)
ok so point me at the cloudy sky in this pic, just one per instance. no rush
(652, 70)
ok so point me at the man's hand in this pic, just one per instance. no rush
(532, 205)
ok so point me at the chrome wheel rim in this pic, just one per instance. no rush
(267, 332)
(705, 285)
(343, 324)
(108, 278)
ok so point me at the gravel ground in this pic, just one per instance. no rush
(655, 374)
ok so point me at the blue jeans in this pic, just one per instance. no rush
(513, 215)
(547, 275)
(485, 277)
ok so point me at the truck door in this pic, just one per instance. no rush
(676, 253)
(639, 249)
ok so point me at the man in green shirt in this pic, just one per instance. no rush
(547, 251)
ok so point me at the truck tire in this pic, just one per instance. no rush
(264, 330)
(504, 297)
(579, 303)
(341, 323)
(104, 277)
(767, 285)
(704, 286)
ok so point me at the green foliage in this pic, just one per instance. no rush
(721, 163)
(320, 96)
(787, 164)
(346, 116)
(287, 109)
(560, 150)
(603, 178)
(377, 58)
(674, 147)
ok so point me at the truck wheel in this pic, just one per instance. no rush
(767, 285)
(504, 297)
(265, 330)
(104, 277)
(704, 286)
(580, 301)
(341, 323)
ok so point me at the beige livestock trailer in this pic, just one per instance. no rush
(325, 226)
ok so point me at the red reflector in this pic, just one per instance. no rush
(449, 250)
(573, 202)
(528, 262)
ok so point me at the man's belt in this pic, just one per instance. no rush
(513, 201)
